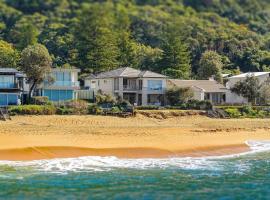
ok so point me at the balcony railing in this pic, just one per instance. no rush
(8, 86)
(63, 84)
(137, 88)
(130, 88)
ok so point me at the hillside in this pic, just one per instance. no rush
(178, 38)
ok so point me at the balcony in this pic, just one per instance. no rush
(9, 86)
(130, 88)
(63, 84)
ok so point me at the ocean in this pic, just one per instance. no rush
(242, 176)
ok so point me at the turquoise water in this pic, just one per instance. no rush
(245, 176)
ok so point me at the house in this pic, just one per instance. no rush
(136, 86)
(263, 77)
(60, 84)
(11, 86)
(209, 90)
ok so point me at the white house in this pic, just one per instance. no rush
(209, 90)
(236, 99)
(136, 86)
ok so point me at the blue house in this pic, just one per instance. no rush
(60, 84)
(11, 87)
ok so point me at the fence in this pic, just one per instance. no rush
(85, 94)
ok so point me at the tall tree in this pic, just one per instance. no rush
(210, 66)
(8, 55)
(35, 63)
(176, 60)
(97, 40)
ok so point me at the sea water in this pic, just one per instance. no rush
(242, 176)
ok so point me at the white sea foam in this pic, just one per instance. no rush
(96, 163)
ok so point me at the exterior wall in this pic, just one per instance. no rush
(236, 99)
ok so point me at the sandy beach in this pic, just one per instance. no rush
(46, 137)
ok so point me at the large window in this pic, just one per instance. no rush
(62, 78)
(8, 99)
(6, 81)
(58, 95)
(155, 85)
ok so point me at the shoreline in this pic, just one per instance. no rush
(48, 137)
(57, 152)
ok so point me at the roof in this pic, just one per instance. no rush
(126, 72)
(11, 71)
(256, 74)
(205, 85)
(8, 70)
(62, 69)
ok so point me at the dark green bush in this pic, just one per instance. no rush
(32, 110)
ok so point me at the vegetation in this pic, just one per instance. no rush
(249, 88)
(176, 38)
(248, 112)
(35, 63)
(177, 95)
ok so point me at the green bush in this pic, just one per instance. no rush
(248, 111)
(116, 109)
(233, 112)
(64, 111)
(40, 100)
(94, 109)
(32, 110)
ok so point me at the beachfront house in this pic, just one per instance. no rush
(11, 87)
(136, 86)
(61, 84)
(204, 90)
(263, 77)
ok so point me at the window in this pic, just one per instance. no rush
(155, 85)
(6, 81)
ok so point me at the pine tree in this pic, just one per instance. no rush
(97, 40)
(176, 59)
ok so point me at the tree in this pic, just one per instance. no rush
(176, 60)
(265, 94)
(210, 65)
(8, 55)
(97, 40)
(35, 63)
(178, 95)
(249, 88)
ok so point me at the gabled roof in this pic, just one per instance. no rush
(149, 74)
(126, 72)
(256, 74)
(205, 85)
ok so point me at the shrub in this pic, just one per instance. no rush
(39, 100)
(233, 112)
(94, 109)
(32, 110)
(78, 107)
(64, 111)
(148, 108)
(248, 111)
(116, 109)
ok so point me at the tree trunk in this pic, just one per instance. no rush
(31, 90)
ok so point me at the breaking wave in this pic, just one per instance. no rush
(97, 163)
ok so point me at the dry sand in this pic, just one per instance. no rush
(45, 137)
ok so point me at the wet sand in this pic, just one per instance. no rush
(47, 137)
